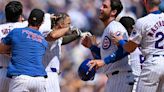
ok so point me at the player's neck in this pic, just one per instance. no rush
(108, 21)
(34, 27)
(153, 9)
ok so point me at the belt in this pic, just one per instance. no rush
(117, 72)
(31, 76)
(158, 55)
(2, 67)
(55, 70)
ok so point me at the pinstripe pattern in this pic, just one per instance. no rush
(118, 82)
(30, 84)
(51, 60)
(4, 59)
(146, 30)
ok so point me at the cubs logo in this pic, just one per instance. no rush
(106, 43)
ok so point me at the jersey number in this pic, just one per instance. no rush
(158, 41)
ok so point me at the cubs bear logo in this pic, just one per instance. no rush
(106, 43)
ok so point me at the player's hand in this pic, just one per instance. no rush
(75, 30)
(95, 63)
(116, 37)
(88, 41)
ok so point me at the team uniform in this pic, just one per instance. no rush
(26, 70)
(135, 59)
(5, 59)
(52, 62)
(119, 73)
(149, 33)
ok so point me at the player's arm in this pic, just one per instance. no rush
(56, 34)
(5, 43)
(115, 56)
(69, 38)
(5, 49)
(90, 42)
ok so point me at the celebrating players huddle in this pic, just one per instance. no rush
(33, 48)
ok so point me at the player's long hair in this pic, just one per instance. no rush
(60, 17)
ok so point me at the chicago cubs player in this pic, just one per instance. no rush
(13, 8)
(16, 21)
(52, 57)
(135, 58)
(120, 77)
(26, 70)
(148, 32)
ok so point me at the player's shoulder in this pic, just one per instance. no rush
(117, 26)
(144, 20)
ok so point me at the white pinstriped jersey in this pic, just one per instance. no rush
(4, 30)
(53, 53)
(135, 59)
(108, 47)
(149, 33)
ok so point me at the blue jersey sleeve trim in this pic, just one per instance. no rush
(122, 42)
(95, 51)
(119, 54)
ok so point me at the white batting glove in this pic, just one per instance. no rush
(76, 30)
(85, 34)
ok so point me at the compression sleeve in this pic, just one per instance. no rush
(95, 52)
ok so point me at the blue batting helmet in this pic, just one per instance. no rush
(84, 72)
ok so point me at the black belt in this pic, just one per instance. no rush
(31, 76)
(117, 72)
(158, 55)
(1, 67)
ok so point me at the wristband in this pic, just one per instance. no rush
(122, 42)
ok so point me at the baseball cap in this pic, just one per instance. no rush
(36, 17)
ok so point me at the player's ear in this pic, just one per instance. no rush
(113, 12)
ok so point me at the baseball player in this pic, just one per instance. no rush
(12, 8)
(120, 77)
(135, 58)
(16, 21)
(148, 32)
(52, 57)
(28, 47)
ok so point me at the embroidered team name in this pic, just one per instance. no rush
(5, 31)
(155, 28)
(33, 36)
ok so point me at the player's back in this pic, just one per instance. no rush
(4, 30)
(53, 55)
(108, 47)
(151, 33)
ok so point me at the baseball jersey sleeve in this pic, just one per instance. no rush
(118, 28)
(8, 39)
(45, 28)
(136, 34)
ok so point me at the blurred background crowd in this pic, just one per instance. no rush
(83, 15)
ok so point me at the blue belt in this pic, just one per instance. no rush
(53, 69)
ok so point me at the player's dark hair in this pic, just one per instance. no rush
(153, 3)
(13, 11)
(60, 17)
(36, 17)
(116, 5)
(128, 23)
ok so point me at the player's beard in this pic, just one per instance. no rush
(104, 17)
